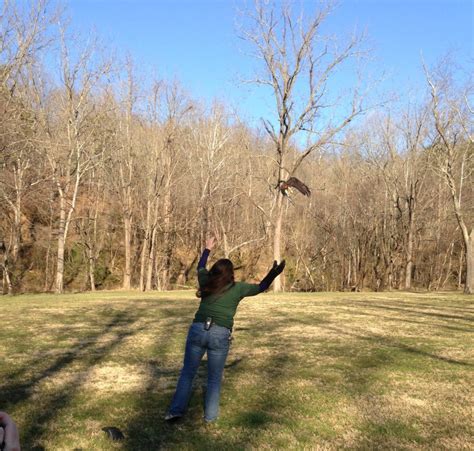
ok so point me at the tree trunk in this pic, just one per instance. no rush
(46, 268)
(7, 280)
(91, 269)
(48, 257)
(61, 243)
(409, 250)
(127, 276)
(166, 272)
(468, 238)
(60, 265)
(143, 260)
(461, 260)
(469, 286)
(16, 229)
(151, 260)
(277, 285)
(145, 248)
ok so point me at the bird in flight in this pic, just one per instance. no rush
(293, 182)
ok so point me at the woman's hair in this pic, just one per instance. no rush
(221, 274)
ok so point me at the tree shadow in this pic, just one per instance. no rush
(409, 311)
(88, 352)
(413, 321)
(388, 342)
(148, 430)
(439, 306)
(11, 393)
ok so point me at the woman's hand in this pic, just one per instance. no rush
(9, 433)
(210, 242)
(278, 268)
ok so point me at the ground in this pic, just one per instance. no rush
(306, 370)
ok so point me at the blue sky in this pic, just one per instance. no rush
(196, 42)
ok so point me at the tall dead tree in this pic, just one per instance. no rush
(413, 182)
(177, 106)
(72, 151)
(298, 63)
(124, 164)
(453, 148)
(167, 107)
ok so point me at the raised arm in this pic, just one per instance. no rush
(272, 275)
(203, 259)
(210, 243)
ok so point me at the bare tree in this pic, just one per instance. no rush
(22, 39)
(177, 107)
(167, 108)
(399, 155)
(453, 148)
(76, 154)
(22, 36)
(124, 167)
(120, 185)
(297, 66)
(91, 223)
(19, 175)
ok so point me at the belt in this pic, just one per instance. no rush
(212, 324)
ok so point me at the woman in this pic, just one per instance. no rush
(211, 330)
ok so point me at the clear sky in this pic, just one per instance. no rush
(196, 41)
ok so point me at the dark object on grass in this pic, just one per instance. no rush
(113, 433)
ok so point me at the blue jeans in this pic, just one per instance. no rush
(216, 342)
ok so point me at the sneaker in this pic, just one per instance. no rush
(171, 417)
(209, 422)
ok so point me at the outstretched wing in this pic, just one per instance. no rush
(299, 185)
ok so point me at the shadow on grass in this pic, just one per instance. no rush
(402, 307)
(271, 404)
(439, 305)
(388, 342)
(375, 313)
(148, 430)
(87, 352)
(11, 392)
(274, 400)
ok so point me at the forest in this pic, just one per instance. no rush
(113, 178)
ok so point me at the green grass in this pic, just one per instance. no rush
(314, 371)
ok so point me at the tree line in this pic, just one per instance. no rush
(110, 178)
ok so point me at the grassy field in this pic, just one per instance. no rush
(315, 371)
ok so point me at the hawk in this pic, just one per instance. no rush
(293, 182)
